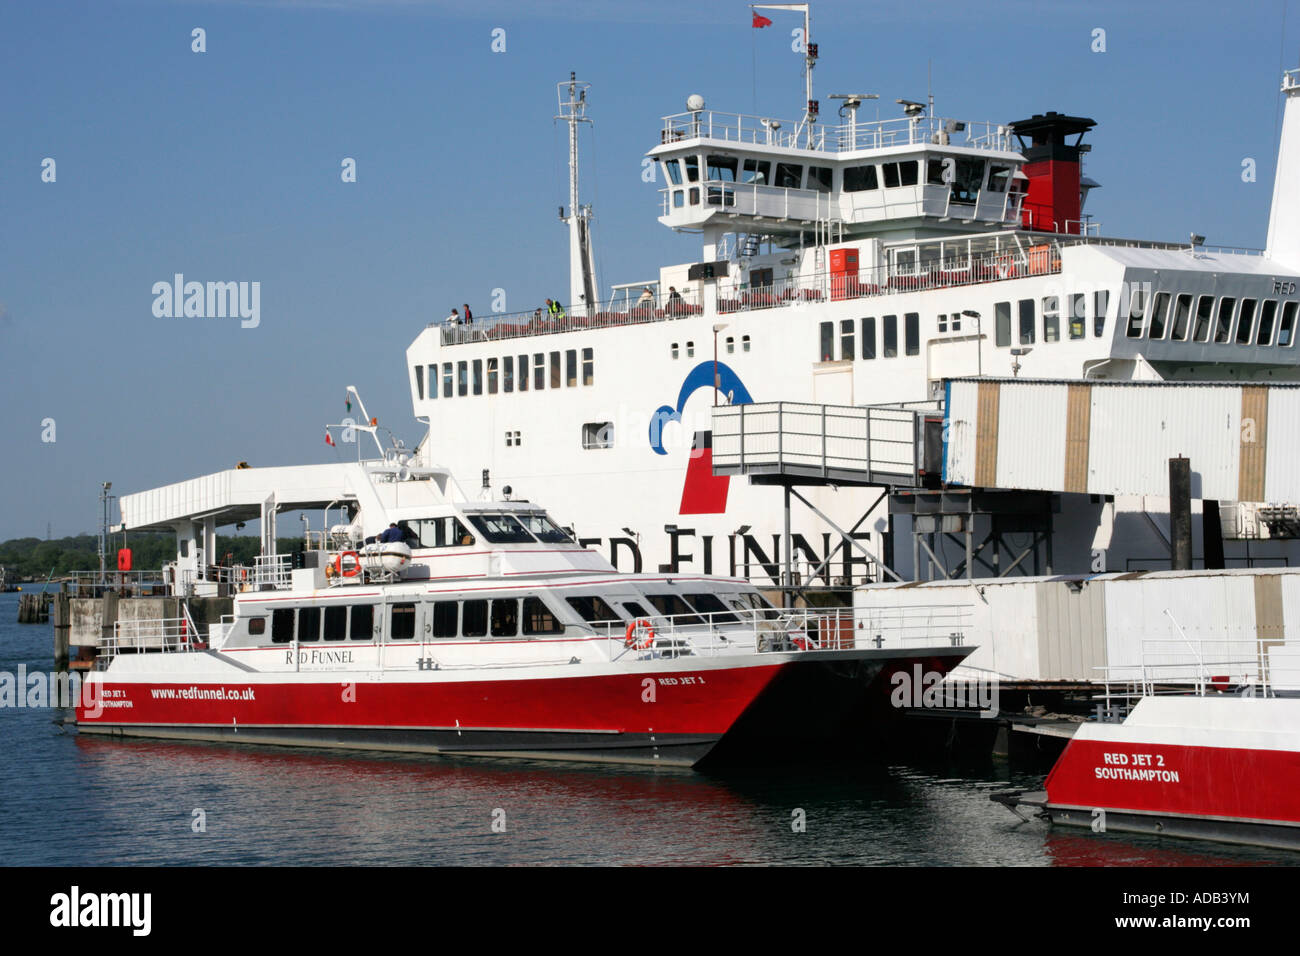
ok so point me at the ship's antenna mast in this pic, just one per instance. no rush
(582, 269)
(809, 61)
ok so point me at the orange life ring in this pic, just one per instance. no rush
(629, 637)
(353, 571)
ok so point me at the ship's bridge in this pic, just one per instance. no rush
(736, 173)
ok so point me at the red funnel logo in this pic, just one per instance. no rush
(704, 493)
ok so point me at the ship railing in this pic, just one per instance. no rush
(1182, 667)
(268, 572)
(149, 636)
(617, 310)
(95, 584)
(772, 630)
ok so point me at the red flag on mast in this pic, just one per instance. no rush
(329, 439)
(761, 21)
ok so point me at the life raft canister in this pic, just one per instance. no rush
(629, 636)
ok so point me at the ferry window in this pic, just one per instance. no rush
(847, 350)
(591, 608)
(943, 322)
(1159, 316)
(891, 175)
(571, 368)
(282, 625)
(869, 337)
(309, 624)
(756, 171)
(505, 617)
(860, 179)
(690, 350)
(445, 532)
(908, 172)
(968, 176)
(674, 350)
(891, 336)
(744, 343)
(722, 168)
(819, 178)
(1137, 311)
(445, 614)
(1002, 324)
(1026, 321)
(789, 175)
(1051, 318)
(670, 605)
(361, 623)
(1246, 321)
(539, 371)
(433, 381)
(1182, 318)
(710, 605)
(998, 176)
(1223, 327)
(695, 196)
(635, 610)
(731, 344)
(336, 623)
(462, 373)
(544, 529)
(492, 376)
(508, 374)
(500, 529)
(538, 618)
(912, 333)
(1100, 303)
(419, 381)
(674, 171)
(401, 625)
(523, 373)
(679, 198)
(474, 618)
(478, 376)
(1204, 310)
(447, 380)
(588, 367)
(256, 626)
(1077, 315)
(692, 169)
(827, 345)
(934, 172)
(598, 435)
(1266, 317)
(555, 370)
(1286, 330)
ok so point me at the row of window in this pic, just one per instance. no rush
(889, 341)
(1205, 318)
(1028, 328)
(467, 377)
(729, 345)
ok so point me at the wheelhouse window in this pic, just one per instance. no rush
(1204, 312)
(1246, 321)
(968, 177)
(444, 532)
(1267, 315)
(500, 529)
(708, 604)
(860, 179)
(1159, 316)
(671, 605)
(819, 178)
(401, 622)
(1286, 330)
(1137, 312)
(722, 168)
(900, 174)
(674, 171)
(1002, 324)
(1223, 326)
(543, 528)
(593, 609)
(538, 619)
(692, 164)
(999, 176)
(789, 175)
(1182, 318)
(756, 171)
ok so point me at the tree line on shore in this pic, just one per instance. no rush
(34, 559)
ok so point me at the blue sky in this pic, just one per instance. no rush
(225, 166)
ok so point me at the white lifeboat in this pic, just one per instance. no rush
(389, 557)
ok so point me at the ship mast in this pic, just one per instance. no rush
(809, 61)
(582, 269)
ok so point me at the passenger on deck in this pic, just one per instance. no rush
(675, 304)
(556, 310)
(647, 297)
(391, 534)
(454, 318)
(469, 316)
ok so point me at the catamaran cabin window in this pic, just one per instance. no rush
(598, 435)
(336, 623)
(544, 529)
(282, 625)
(692, 168)
(708, 604)
(1051, 318)
(448, 380)
(492, 376)
(256, 626)
(401, 625)
(462, 372)
(869, 337)
(570, 368)
(819, 178)
(1078, 315)
(789, 175)
(1266, 317)
(635, 610)
(308, 624)
(505, 617)
(523, 373)
(827, 344)
(419, 382)
(500, 529)
(1026, 321)
(722, 168)
(1002, 324)
(912, 333)
(670, 605)
(1286, 331)
(1246, 321)
(1182, 318)
(674, 171)
(446, 619)
(593, 609)
(588, 367)
(539, 371)
(891, 336)
(1223, 327)
(444, 532)
(555, 370)
(1101, 303)
(847, 350)
(860, 179)
(756, 171)
(1204, 311)
(538, 619)
(361, 622)
(474, 618)
(1159, 316)
(508, 374)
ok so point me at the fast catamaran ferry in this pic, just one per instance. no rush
(847, 263)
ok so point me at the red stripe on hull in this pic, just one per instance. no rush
(1239, 783)
(708, 704)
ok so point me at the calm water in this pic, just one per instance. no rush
(70, 800)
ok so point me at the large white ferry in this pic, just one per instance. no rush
(853, 264)
(422, 620)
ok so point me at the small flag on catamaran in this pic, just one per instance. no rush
(761, 21)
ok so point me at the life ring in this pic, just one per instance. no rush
(629, 637)
(351, 572)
